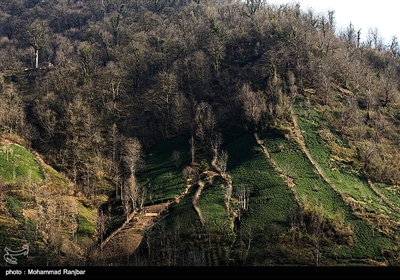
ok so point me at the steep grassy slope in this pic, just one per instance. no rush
(287, 197)
(294, 200)
(161, 173)
(270, 200)
(38, 207)
(19, 166)
(312, 189)
(329, 152)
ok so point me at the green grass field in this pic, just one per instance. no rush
(19, 222)
(369, 242)
(18, 165)
(341, 176)
(270, 197)
(161, 173)
(212, 204)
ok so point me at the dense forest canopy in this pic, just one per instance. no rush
(92, 84)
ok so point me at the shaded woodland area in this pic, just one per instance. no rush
(92, 85)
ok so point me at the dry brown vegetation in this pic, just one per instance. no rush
(91, 86)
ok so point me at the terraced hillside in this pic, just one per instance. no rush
(196, 133)
(294, 201)
(285, 196)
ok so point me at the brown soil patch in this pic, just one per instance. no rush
(196, 201)
(134, 227)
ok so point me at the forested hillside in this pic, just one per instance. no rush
(197, 132)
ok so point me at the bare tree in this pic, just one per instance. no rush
(246, 236)
(368, 152)
(205, 123)
(103, 222)
(12, 116)
(374, 39)
(389, 85)
(192, 148)
(46, 115)
(37, 33)
(222, 161)
(133, 154)
(166, 89)
(317, 221)
(215, 146)
(394, 47)
(180, 112)
(242, 195)
(253, 6)
(132, 158)
(292, 86)
(254, 105)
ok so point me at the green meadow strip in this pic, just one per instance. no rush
(368, 242)
(309, 185)
(161, 173)
(183, 216)
(18, 165)
(270, 198)
(340, 176)
(212, 204)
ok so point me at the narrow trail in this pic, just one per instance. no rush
(348, 200)
(300, 140)
(143, 219)
(384, 198)
(209, 175)
(196, 199)
(289, 181)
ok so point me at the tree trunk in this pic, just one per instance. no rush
(36, 58)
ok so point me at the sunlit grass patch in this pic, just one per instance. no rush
(270, 198)
(342, 176)
(18, 165)
(212, 204)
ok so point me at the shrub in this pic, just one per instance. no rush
(85, 228)
(15, 207)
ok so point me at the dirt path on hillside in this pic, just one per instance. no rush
(145, 217)
(384, 198)
(348, 200)
(289, 181)
(209, 175)
(142, 219)
(196, 199)
(300, 140)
